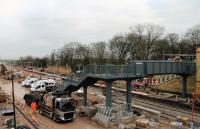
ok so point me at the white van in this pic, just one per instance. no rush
(29, 81)
(50, 83)
(43, 85)
(39, 87)
(36, 83)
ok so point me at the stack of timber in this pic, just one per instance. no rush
(62, 70)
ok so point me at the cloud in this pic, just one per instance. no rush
(35, 27)
(176, 15)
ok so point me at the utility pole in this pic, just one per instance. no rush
(13, 97)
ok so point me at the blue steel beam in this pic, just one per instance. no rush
(85, 96)
(109, 94)
(184, 86)
(128, 95)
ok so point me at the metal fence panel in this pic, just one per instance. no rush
(174, 67)
(150, 68)
(163, 67)
(142, 68)
(156, 67)
(130, 68)
(168, 67)
(139, 68)
(110, 68)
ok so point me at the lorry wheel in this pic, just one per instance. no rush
(40, 111)
(54, 118)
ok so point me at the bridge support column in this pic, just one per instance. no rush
(109, 94)
(85, 96)
(128, 95)
(184, 86)
(197, 72)
(165, 76)
(161, 80)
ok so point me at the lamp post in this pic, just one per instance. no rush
(13, 97)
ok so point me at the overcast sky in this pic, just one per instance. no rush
(36, 27)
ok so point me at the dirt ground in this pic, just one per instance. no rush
(43, 121)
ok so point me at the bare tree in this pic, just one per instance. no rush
(86, 55)
(173, 39)
(135, 38)
(153, 33)
(143, 39)
(74, 54)
(99, 51)
(71, 55)
(119, 47)
(161, 45)
(193, 35)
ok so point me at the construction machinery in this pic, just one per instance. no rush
(3, 69)
(58, 107)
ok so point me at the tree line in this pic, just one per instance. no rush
(33, 61)
(142, 42)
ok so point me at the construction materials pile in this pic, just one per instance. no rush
(88, 111)
(3, 69)
(133, 121)
(118, 116)
(181, 123)
(62, 70)
(142, 123)
(2, 97)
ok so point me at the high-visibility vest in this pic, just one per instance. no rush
(33, 106)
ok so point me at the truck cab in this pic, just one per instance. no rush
(64, 109)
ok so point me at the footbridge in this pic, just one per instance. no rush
(128, 72)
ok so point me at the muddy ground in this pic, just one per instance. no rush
(43, 121)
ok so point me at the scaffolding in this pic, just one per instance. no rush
(185, 57)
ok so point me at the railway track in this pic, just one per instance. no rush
(167, 111)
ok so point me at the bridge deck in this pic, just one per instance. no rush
(134, 70)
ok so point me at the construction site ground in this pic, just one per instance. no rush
(44, 122)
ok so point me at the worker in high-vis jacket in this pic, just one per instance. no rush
(33, 107)
(33, 110)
